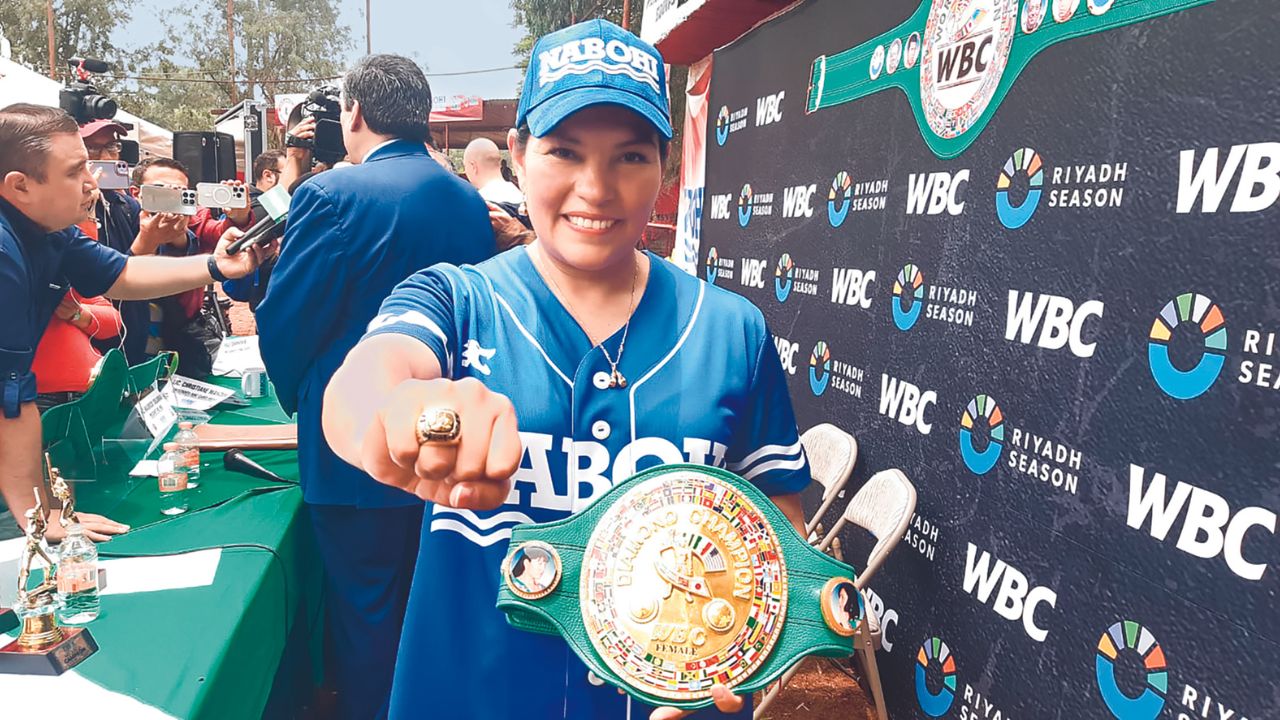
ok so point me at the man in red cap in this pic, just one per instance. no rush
(117, 215)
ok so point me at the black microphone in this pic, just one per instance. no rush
(252, 235)
(236, 461)
(89, 64)
(276, 204)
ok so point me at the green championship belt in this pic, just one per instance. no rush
(679, 578)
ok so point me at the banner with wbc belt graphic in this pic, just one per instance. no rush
(1040, 277)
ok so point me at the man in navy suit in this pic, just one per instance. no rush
(353, 234)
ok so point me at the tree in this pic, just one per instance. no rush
(282, 46)
(539, 17)
(82, 28)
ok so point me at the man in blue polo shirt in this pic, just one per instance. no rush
(354, 233)
(45, 187)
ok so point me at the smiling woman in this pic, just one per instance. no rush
(572, 363)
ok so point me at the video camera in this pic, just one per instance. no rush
(325, 105)
(81, 99)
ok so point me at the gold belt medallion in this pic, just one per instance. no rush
(683, 586)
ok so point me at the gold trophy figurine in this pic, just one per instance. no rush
(62, 491)
(36, 606)
(42, 647)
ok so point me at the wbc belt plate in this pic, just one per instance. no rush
(677, 579)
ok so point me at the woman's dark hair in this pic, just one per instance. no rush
(523, 135)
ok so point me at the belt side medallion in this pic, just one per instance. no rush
(683, 586)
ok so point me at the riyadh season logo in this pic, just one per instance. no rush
(751, 204)
(826, 372)
(983, 424)
(819, 368)
(846, 196)
(722, 125)
(1131, 639)
(729, 122)
(745, 205)
(966, 48)
(787, 277)
(908, 297)
(1132, 673)
(982, 412)
(1187, 349)
(838, 199)
(1188, 310)
(1088, 186)
(718, 268)
(935, 659)
(784, 277)
(951, 305)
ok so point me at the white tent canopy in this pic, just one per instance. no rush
(20, 84)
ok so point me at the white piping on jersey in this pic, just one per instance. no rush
(484, 523)
(530, 338)
(468, 533)
(774, 465)
(413, 317)
(746, 462)
(481, 538)
(693, 320)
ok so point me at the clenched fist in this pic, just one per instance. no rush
(472, 472)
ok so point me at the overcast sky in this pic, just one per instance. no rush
(447, 36)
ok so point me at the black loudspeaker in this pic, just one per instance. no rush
(209, 156)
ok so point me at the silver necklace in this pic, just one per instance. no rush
(616, 378)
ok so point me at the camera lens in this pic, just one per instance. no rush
(101, 107)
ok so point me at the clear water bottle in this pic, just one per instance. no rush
(173, 481)
(189, 446)
(77, 578)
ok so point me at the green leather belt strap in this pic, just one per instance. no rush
(686, 587)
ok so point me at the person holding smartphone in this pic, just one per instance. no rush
(45, 189)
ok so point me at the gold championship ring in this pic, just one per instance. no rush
(439, 425)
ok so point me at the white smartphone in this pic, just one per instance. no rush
(161, 199)
(115, 174)
(217, 195)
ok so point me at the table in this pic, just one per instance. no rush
(215, 651)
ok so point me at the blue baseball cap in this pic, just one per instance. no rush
(593, 63)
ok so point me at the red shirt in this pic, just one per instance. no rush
(65, 356)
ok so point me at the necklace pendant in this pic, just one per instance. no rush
(617, 380)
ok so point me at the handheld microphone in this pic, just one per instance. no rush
(235, 460)
(276, 202)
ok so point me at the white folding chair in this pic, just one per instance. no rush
(832, 453)
(882, 507)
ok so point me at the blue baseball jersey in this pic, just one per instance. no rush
(705, 385)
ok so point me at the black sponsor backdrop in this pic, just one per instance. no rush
(1139, 96)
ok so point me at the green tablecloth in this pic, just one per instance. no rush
(214, 651)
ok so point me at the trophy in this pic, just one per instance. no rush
(62, 491)
(43, 647)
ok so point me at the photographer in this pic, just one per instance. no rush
(353, 234)
(182, 323)
(45, 188)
